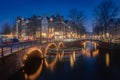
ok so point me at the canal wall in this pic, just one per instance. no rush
(11, 64)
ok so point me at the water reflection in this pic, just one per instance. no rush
(84, 44)
(95, 45)
(61, 56)
(52, 63)
(95, 53)
(33, 76)
(48, 63)
(68, 66)
(72, 59)
(74, 56)
(90, 49)
(107, 59)
(33, 67)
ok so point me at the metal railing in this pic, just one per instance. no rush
(7, 49)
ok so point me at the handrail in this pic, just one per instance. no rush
(66, 50)
(11, 47)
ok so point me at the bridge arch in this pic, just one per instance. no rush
(49, 45)
(45, 50)
(37, 50)
(60, 44)
(34, 75)
(52, 64)
(32, 56)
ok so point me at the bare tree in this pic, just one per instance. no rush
(14, 29)
(104, 12)
(78, 18)
(6, 28)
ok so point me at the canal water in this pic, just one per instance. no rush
(90, 64)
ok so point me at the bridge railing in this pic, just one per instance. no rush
(94, 39)
(7, 49)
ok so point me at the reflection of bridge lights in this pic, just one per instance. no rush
(34, 75)
(61, 56)
(83, 51)
(86, 52)
(49, 45)
(95, 53)
(52, 64)
(95, 45)
(74, 56)
(60, 44)
(107, 58)
(72, 59)
(84, 44)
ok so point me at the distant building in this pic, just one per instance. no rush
(72, 29)
(37, 27)
(59, 27)
(22, 28)
(114, 28)
(51, 27)
(89, 35)
(44, 25)
(26, 29)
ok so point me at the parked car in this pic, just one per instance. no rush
(15, 40)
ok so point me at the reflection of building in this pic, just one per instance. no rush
(114, 29)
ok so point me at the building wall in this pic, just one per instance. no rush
(114, 30)
(53, 27)
(44, 25)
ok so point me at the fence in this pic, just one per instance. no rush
(7, 49)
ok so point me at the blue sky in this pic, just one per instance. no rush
(10, 9)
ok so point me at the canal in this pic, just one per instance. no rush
(88, 64)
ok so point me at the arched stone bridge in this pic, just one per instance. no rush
(91, 39)
(42, 50)
(15, 61)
